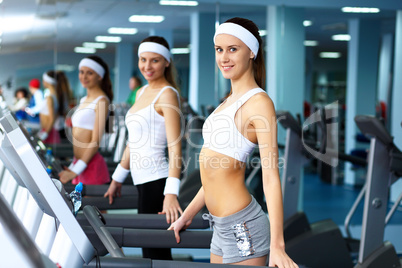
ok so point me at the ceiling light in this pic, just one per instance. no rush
(146, 18)
(177, 3)
(184, 50)
(16, 23)
(65, 67)
(86, 50)
(360, 10)
(310, 43)
(108, 39)
(341, 37)
(263, 32)
(307, 23)
(330, 55)
(94, 45)
(116, 30)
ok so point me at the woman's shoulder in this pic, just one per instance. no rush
(260, 102)
(169, 93)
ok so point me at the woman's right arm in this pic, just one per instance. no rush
(119, 176)
(186, 218)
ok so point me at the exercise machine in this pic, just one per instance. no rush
(72, 246)
(384, 168)
(318, 244)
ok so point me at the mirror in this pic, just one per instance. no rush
(44, 34)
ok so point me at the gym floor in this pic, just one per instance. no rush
(321, 201)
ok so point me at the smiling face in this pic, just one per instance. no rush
(88, 77)
(232, 56)
(152, 65)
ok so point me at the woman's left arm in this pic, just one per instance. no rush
(263, 119)
(169, 105)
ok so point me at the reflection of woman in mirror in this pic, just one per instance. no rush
(52, 107)
(89, 122)
(153, 122)
(67, 97)
(242, 233)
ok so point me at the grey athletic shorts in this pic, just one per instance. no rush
(240, 236)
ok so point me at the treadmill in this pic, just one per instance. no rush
(75, 245)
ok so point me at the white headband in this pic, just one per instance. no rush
(93, 65)
(155, 48)
(240, 32)
(48, 79)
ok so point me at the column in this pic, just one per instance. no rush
(285, 59)
(285, 62)
(202, 61)
(124, 62)
(361, 91)
(396, 107)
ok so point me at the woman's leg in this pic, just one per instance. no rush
(259, 261)
(151, 202)
(215, 258)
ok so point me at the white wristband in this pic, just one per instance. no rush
(70, 167)
(79, 167)
(120, 174)
(172, 186)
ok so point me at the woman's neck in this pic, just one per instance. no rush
(157, 84)
(245, 83)
(94, 92)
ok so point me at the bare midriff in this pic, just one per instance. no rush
(81, 140)
(222, 178)
(45, 121)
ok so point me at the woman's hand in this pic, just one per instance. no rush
(180, 225)
(171, 208)
(114, 190)
(279, 258)
(66, 176)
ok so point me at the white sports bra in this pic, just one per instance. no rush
(221, 134)
(85, 117)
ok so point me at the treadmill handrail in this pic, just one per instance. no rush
(104, 235)
(286, 119)
(372, 126)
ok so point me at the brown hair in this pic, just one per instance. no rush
(59, 91)
(170, 71)
(259, 62)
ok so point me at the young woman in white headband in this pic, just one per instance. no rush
(242, 232)
(52, 108)
(153, 123)
(89, 124)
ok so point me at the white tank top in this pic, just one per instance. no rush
(45, 109)
(147, 142)
(221, 134)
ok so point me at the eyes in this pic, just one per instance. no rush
(230, 49)
(152, 60)
(82, 72)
